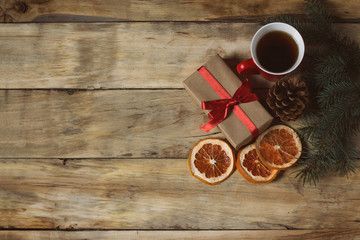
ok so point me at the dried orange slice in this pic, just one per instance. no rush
(279, 147)
(211, 160)
(251, 168)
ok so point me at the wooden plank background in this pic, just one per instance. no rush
(161, 194)
(157, 10)
(125, 55)
(184, 235)
(96, 126)
(101, 124)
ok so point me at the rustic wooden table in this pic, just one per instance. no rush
(96, 125)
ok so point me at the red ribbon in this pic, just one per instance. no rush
(221, 107)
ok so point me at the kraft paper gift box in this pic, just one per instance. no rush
(232, 127)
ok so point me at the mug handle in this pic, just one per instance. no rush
(247, 67)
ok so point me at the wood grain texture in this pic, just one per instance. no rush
(339, 234)
(162, 194)
(157, 10)
(111, 123)
(121, 55)
(132, 142)
(100, 124)
(114, 55)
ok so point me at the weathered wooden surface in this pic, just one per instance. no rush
(132, 132)
(345, 234)
(162, 194)
(110, 55)
(126, 55)
(92, 124)
(157, 10)
(100, 124)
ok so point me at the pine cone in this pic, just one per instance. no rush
(288, 98)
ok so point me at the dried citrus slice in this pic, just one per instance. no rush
(211, 160)
(251, 168)
(279, 147)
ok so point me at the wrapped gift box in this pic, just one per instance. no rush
(232, 127)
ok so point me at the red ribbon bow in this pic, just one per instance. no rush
(221, 107)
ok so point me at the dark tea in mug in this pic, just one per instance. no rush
(277, 51)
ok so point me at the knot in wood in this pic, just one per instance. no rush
(20, 7)
(6, 18)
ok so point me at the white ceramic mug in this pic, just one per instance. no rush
(253, 65)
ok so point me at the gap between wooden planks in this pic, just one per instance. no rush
(346, 234)
(162, 194)
(121, 55)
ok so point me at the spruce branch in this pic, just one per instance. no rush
(318, 14)
(331, 70)
(330, 141)
(334, 93)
